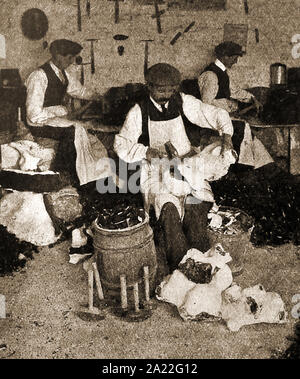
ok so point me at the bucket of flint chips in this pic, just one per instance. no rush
(232, 228)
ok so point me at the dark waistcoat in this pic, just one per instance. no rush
(193, 132)
(223, 81)
(56, 90)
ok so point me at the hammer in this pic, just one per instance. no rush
(92, 54)
(157, 16)
(146, 53)
(78, 15)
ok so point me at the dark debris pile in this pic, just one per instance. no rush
(120, 217)
(13, 252)
(293, 351)
(195, 271)
(274, 205)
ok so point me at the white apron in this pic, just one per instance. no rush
(159, 186)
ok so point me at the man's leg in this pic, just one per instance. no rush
(174, 240)
(195, 224)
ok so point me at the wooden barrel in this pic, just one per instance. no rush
(125, 252)
(236, 244)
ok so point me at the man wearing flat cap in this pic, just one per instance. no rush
(50, 119)
(168, 118)
(214, 82)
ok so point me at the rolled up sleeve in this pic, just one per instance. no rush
(37, 114)
(126, 142)
(206, 115)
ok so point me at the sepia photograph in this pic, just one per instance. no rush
(149, 183)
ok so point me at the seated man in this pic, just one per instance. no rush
(215, 89)
(79, 153)
(168, 116)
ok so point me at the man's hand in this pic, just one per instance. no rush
(76, 115)
(226, 143)
(154, 153)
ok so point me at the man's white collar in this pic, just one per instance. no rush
(158, 106)
(220, 65)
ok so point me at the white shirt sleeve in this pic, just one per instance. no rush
(239, 93)
(209, 87)
(126, 142)
(37, 114)
(206, 115)
(77, 90)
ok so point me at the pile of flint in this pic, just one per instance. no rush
(120, 217)
(274, 204)
(197, 272)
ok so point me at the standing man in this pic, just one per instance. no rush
(168, 116)
(79, 153)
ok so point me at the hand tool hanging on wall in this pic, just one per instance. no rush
(257, 35)
(179, 34)
(88, 8)
(146, 53)
(246, 6)
(78, 15)
(120, 37)
(92, 40)
(117, 10)
(157, 16)
(79, 62)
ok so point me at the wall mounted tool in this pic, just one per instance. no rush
(246, 6)
(146, 53)
(79, 15)
(117, 10)
(157, 16)
(120, 37)
(92, 40)
(79, 61)
(257, 35)
(179, 34)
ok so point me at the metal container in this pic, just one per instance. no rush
(278, 74)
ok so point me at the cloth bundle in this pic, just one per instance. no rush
(217, 297)
(160, 185)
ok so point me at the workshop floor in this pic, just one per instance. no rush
(43, 297)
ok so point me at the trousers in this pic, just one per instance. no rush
(176, 237)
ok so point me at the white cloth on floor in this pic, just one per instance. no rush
(251, 305)
(192, 299)
(24, 214)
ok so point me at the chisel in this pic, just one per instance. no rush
(78, 15)
(88, 8)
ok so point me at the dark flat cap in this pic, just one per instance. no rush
(65, 47)
(163, 74)
(228, 48)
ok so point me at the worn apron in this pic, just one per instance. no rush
(157, 184)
